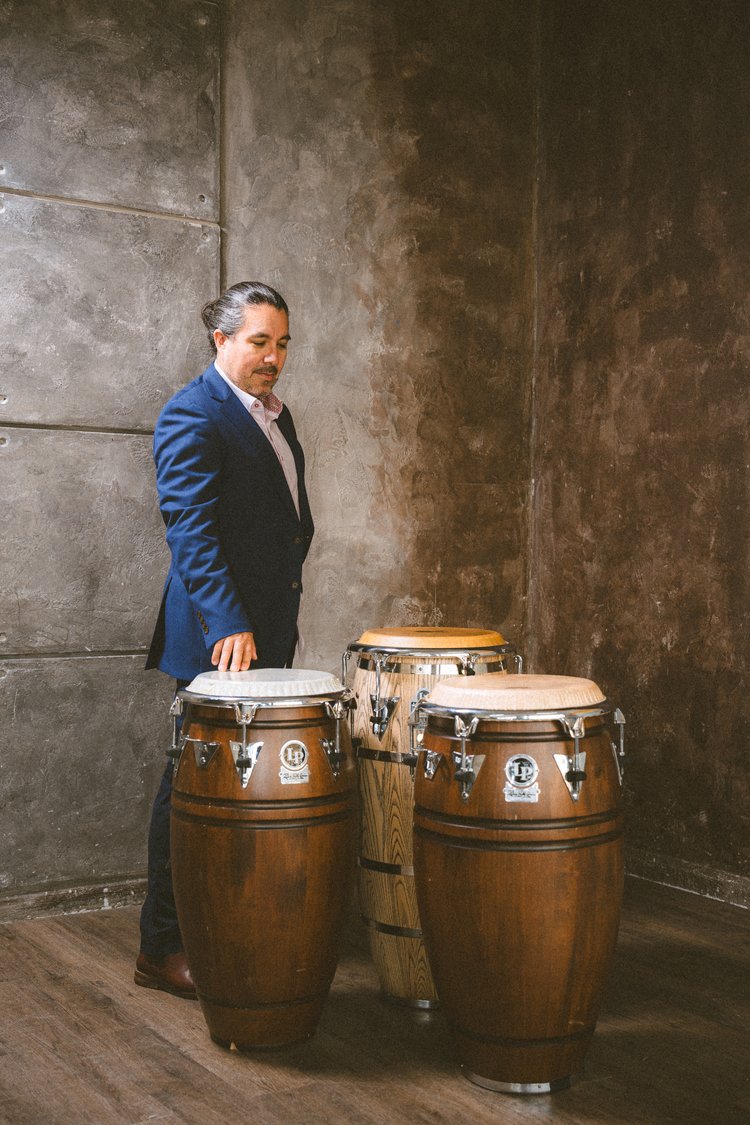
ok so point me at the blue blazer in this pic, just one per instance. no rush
(236, 540)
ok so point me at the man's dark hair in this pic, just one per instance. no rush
(227, 312)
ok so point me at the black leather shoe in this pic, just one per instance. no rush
(168, 974)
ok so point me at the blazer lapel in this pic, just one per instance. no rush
(235, 413)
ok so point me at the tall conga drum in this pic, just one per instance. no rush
(519, 870)
(392, 665)
(262, 840)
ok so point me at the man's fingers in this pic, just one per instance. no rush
(235, 653)
(225, 654)
(240, 656)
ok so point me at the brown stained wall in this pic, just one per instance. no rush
(639, 557)
(378, 169)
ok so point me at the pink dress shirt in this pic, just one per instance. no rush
(265, 414)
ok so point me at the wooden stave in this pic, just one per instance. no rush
(388, 901)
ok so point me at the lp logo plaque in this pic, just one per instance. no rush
(294, 763)
(521, 773)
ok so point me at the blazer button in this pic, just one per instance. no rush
(294, 585)
(298, 539)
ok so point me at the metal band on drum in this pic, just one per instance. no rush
(364, 753)
(430, 661)
(245, 707)
(466, 720)
(263, 701)
(561, 715)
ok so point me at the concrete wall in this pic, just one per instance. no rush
(514, 240)
(108, 213)
(378, 170)
(375, 164)
(639, 559)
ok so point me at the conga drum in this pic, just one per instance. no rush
(392, 665)
(518, 869)
(262, 841)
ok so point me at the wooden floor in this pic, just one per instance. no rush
(79, 1042)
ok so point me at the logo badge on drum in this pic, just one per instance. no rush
(294, 768)
(521, 772)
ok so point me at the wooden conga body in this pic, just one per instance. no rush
(519, 871)
(393, 664)
(262, 841)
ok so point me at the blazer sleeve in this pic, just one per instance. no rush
(189, 454)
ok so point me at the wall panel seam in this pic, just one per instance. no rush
(535, 348)
(116, 208)
(222, 147)
(76, 429)
(83, 654)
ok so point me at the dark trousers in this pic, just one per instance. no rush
(160, 930)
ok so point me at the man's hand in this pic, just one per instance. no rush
(235, 653)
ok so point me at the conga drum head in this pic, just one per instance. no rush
(428, 638)
(264, 683)
(433, 651)
(494, 692)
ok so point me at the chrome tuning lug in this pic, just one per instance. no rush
(333, 753)
(176, 745)
(467, 771)
(431, 763)
(341, 706)
(245, 759)
(348, 699)
(573, 767)
(203, 752)
(382, 710)
(467, 765)
(466, 665)
(619, 751)
(245, 755)
(332, 747)
(417, 727)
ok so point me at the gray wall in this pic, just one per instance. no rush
(380, 174)
(109, 220)
(514, 243)
(401, 237)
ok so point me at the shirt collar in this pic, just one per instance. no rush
(271, 404)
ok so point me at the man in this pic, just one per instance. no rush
(230, 477)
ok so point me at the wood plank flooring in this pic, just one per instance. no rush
(80, 1043)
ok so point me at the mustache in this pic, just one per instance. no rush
(266, 370)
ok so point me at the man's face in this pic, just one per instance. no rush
(254, 356)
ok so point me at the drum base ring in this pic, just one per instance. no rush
(517, 1087)
(411, 1002)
